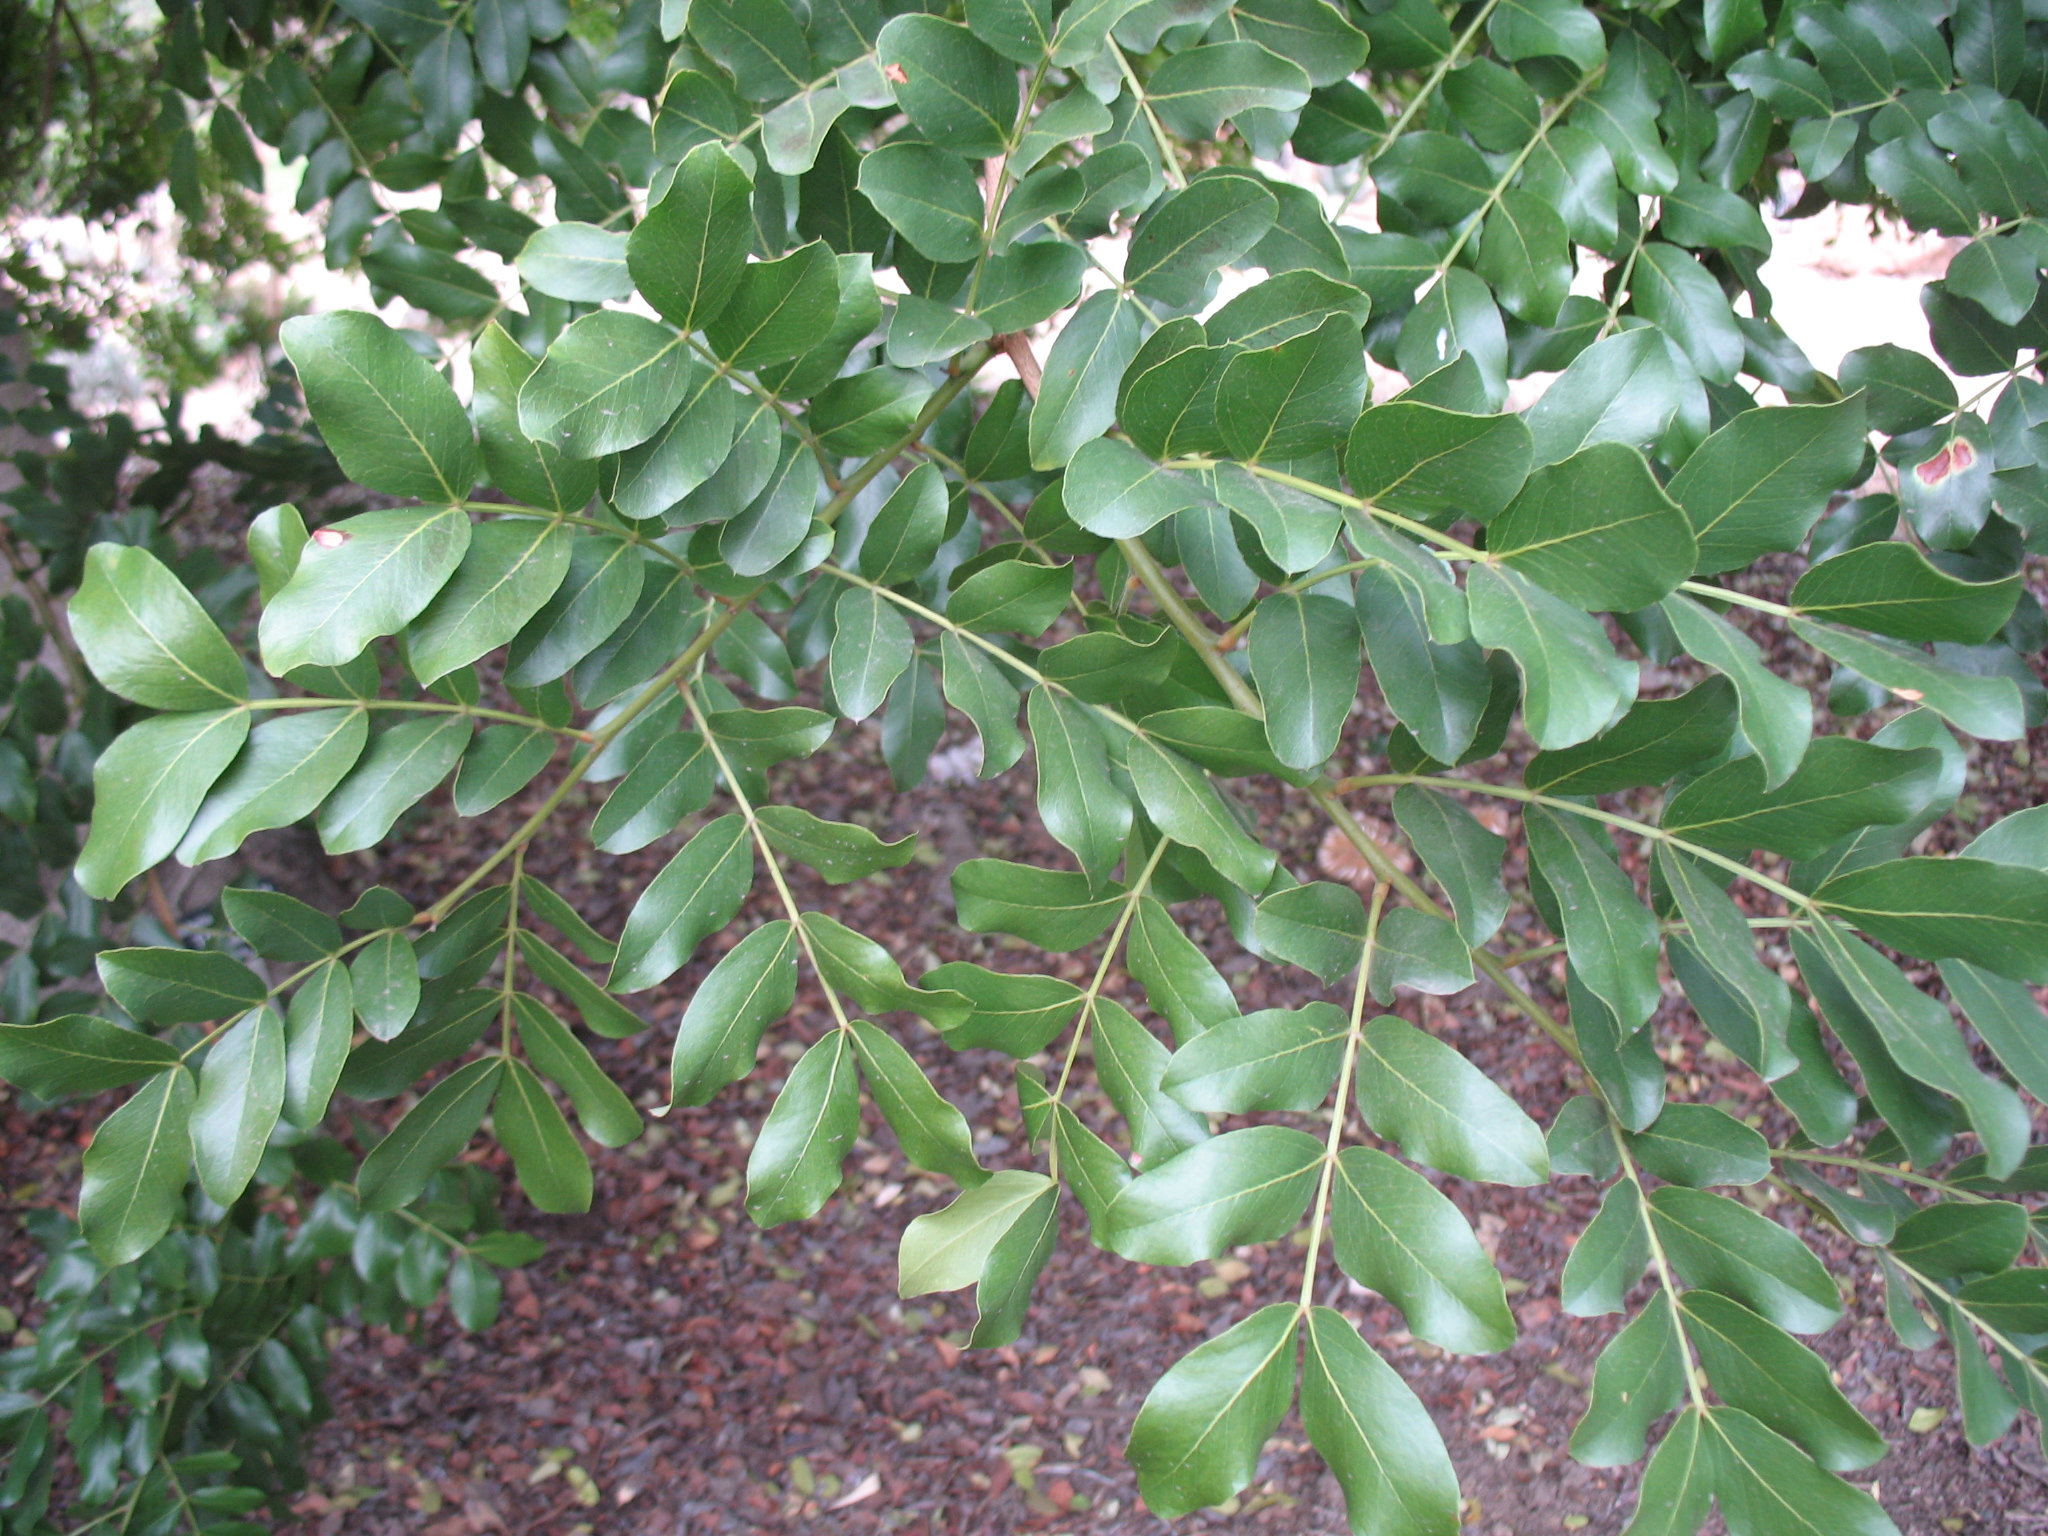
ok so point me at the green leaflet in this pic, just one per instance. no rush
(364, 577)
(794, 1166)
(78, 1054)
(1722, 1245)
(608, 382)
(1198, 1437)
(1079, 803)
(1891, 588)
(147, 638)
(1319, 927)
(1179, 980)
(871, 647)
(1078, 398)
(1462, 856)
(1597, 530)
(1610, 935)
(148, 786)
(1374, 1432)
(1421, 460)
(1241, 1187)
(1132, 1066)
(1018, 1015)
(432, 1133)
(1776, 715)
(606, 1114)
(1267, 1060)
(509, 570)
(393, 422)
(1651, 744)
(1760, 482)
(135, 1169)
(931, 1131)
(1766, 1373)
(958, 91)
(1572, 682)
(289, 766)
(1989, 707)
(553, 1170)
(1305, 654)
(1217, 218)
(1188, 808)
(401, 766)
(696, 894)
(1396, 1234)
(1698, 1145)
(950, 1248)
(1443, 1111)
(319, 1026)
(1609, 1257)
(1639, 1378)
(749, 989)
(177, 986)
(1051, 908)
(864, 971)
(688, 254)
(241, 1094)
(1915, 1030)
(1841, 784)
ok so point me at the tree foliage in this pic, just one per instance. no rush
(709, 464)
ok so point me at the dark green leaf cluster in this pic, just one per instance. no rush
(182, 1384)
(722, 480)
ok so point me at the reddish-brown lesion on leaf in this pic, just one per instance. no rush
(1957, 457)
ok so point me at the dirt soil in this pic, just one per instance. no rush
(669, 1368)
